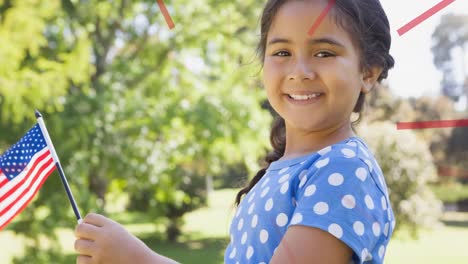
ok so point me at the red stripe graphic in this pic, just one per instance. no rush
(418, 20)
(322, 15)
(433, 124)
(166, 15)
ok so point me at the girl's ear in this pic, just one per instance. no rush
(369, 78)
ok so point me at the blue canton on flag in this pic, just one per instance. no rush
(23, 169)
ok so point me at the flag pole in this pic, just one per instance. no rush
(59, 167)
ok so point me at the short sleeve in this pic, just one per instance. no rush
(339, 195)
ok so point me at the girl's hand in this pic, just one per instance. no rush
(102, 240)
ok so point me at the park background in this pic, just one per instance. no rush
(157, 127)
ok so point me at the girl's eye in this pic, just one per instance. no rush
(324, 54)
(281, 53)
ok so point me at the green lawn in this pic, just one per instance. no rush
(205, 237)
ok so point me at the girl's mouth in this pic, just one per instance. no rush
(302, 99)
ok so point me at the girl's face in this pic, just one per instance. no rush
(313, 82)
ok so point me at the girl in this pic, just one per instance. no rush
(322, 198)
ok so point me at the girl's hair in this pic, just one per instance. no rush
(367, 24)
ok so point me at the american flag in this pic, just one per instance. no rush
(23, 169)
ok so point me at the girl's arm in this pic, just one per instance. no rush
(303, 244)
(102, 240)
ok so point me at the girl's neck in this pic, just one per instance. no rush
(300, 142)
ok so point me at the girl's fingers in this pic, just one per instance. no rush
(84, 247)
(96, 219)
(85, 230)
(82, 259)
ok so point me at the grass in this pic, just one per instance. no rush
(450, 192)
(206, 229)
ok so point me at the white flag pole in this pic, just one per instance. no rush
(43, 128)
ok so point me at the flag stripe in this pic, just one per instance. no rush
(3, 180)
(21, 203)
(19, 180)
(23, 186)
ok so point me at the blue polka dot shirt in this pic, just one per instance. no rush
(339, 189)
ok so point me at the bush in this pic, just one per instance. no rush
(408, 168)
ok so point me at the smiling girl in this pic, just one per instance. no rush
(322, 198)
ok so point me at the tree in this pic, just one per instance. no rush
(407, 165)
(452, 35)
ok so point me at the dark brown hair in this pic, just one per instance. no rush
(368, 26)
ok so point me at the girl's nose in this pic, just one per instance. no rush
(301, 70)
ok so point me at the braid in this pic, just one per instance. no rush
(278, 142)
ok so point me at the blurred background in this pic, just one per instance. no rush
(159, 128)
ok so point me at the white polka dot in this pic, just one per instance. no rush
(265, 182)
(281, 219)
(240, 224)
(385, 231)
(335, 179)
(303, 181)
(348, 201)
(263, 236)
(283, 178)
(365, 255)
(324, 150)
(249, 252)
(381, 251)
(364, 151)
(393, 224)
(381, 180)
(264, 192)
(361, 173)
(321, 208)
(352, 143)
(283, 170)
(376, 228)
(239, 209)
(369, 163)
(335, 230)
(244, 238)
(254, 221)
(252, 206)
(358, 227)
(321, 163)
(296, 219)
(348, 153)
(262, 263)
(251, 197)
(269, 204)
(233, 253)
(303, 174)
(310, 190)
(369, 202)
(284, 187)
(384, 202)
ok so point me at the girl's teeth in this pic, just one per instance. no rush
(304, 97)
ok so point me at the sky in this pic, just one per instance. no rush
(414, 74)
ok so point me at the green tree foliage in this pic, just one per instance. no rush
(408, 167)
(450, 35)
(136, 109)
